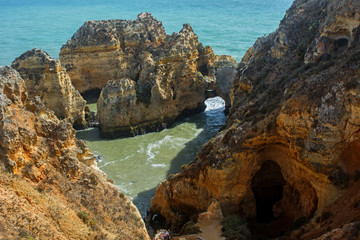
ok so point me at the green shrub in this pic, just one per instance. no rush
(310, 35)
(83, 216)
(235, 228)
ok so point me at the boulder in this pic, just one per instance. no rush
(44, 77)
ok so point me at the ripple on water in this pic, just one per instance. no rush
(138, 164)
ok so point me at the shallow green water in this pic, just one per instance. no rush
(138, 164)
(92, 107)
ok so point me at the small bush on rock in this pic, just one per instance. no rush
(235, 228)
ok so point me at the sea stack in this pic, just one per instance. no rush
(291, 143)
(147, 78)
(44, 77)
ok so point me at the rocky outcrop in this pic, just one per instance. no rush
(225, 72)
(49, 184)
(108, 50)
(170, 85)
(289, 148)
(149, 78)
(44, 77)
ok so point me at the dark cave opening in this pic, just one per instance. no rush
(342, 42)
(267, 186)
(91, 96)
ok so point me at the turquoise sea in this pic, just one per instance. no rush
(228, 26)
(137, 165)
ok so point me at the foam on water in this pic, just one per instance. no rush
(137, 165)
(214, 103)
(160, 165)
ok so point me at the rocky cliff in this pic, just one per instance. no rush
(44, 77)
(148, 78)
(49, 184)
(108, 50)
(290, 147)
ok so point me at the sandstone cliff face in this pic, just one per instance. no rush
(44, 77)
(50, 187)
(290, 147)
(154, 77)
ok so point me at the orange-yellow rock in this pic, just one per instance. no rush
(289, 147)
(44, 77)
(50, 187)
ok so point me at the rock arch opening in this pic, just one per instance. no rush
(267, 186)
(214, 103)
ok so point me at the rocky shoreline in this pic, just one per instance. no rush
(286, 165)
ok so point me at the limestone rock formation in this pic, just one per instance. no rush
(108, 50)
(49, 184)
(225, 72)
(154, 77)
(44, 77)
(290, 145)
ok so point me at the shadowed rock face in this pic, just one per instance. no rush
(295, 103)
(148, 78)
(44, 77)
(49, 184)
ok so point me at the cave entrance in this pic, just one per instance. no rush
(267, 186)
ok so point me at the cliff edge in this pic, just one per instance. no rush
(49, 184)
(290, 145)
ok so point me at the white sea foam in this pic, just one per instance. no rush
(160, 165)
(124, 189)
(118, 160)
(214, 103)
(153, 149)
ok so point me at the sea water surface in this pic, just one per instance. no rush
(228, 26)
(137, 165)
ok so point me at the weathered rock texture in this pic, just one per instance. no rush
(49, 184)
(44, 77)
(291, 142)
(225, 72)
(154, 77)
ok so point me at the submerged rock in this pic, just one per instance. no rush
(290, 146)
(167, 75)
(49, 184)
(44, 77)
